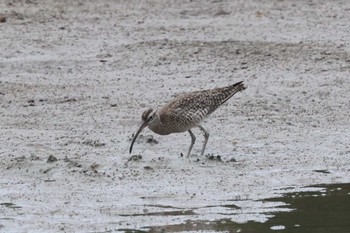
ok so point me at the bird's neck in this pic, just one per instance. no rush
(157, 126)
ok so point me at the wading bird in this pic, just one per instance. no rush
(186, 112)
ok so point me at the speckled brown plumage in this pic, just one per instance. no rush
(186, 112)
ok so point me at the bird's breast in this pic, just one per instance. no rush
(159, 129)
(170, 127)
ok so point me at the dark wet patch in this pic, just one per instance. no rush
(322, 171)
(200, 226)
(323, 211)
(232, 206)
(163, 213)
(229, 206)
(164, 206)
(10, 205)
(132, 231)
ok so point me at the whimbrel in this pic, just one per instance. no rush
(186, 112)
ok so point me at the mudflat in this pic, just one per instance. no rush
(75, 77)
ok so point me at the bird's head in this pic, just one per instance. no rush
(148, 117)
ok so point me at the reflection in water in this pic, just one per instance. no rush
(323, 211)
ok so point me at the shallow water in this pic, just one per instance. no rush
(325, 210)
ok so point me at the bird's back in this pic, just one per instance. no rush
(186, 111)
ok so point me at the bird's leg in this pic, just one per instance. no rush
(193, 139)
(206, 137)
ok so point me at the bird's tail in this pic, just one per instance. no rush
(231, 90)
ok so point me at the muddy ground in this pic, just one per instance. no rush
(75, 77)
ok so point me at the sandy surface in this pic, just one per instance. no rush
(75, 78)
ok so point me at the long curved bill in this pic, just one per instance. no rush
(144, 124)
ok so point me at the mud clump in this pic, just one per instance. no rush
(51, 159)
